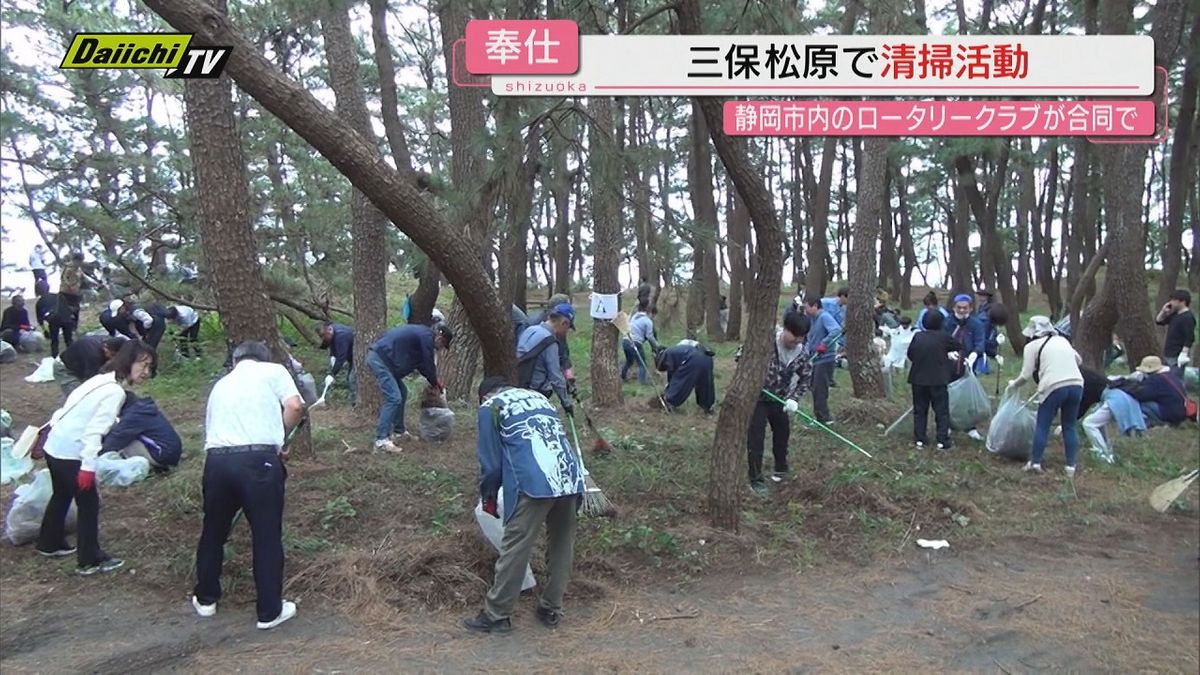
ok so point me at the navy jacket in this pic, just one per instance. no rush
(972, 336)
(1166, 391)
(46, 308)
(407, 348)
(84, 357)
(141, 420)
(341, 348)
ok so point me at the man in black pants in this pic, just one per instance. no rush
(789, 374)
(48, 320)
(929, 377)
(249, 411)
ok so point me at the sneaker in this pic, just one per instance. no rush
(759, 488)
(944, 446)
(63, 550)
(1070, 471)
(1058, 431)
(1030, 467)
(920, 444)
(104, 567)
(975, 435)
(549, 617)
(482, 624)
(286, 611)
(203, 609)
(386, 445)
(403, 437)
(779, 476)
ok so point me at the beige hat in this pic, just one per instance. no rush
(1152, 365)
(1038, 326)
(115, 306)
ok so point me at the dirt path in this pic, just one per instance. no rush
(1129, 601)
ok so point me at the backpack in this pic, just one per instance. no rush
(525, 363)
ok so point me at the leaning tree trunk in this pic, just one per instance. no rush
(860, 323)
(368, 226)
(727, 471)
(361, 162)
(226, 227)
(1121, 305)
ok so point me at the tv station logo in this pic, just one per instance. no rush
(171, 52)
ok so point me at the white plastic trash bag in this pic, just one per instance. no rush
(32, 342)
(969, 404)
(1011, 432)
(11, 468)
(7, 353)
(436, 424)
(24, 519)
(493, 531)
(44, 372)
(113, 470)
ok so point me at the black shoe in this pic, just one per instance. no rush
(482, 624)
(549, 617)
(945, 446)
(102, 567)
(759, 488)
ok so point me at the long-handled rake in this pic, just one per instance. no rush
(812, 421)
(622, 324)
(1164, 495)
(595, 503)
(601, 446)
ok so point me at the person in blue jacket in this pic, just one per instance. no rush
(339, 340)
(142, 431)
(930, 304)
(966, 328)
(641, 330)
(688, 367)
(539, 364)
(396, 354)
(823, 334)
(524, 451)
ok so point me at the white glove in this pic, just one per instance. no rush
(328, 380)
(971, 359)
(1012, 384)
(999, 360)
(790, 407)
(953, 356)
(1184, 358)
(1000, 339)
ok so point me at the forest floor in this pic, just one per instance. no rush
(385, 557)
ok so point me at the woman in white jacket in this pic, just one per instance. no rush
(72, 445)
(1053, 364)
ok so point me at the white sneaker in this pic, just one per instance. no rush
(974, 433)
(286, 611)
(203, 609)
(920, 445)
(403, 438)
(1058, 431)
(1070, 471)
(386, 445)
(1030, 467)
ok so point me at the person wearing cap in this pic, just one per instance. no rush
(689, 366)
(968, 330)
(1053, 365)
(564, 349)
(1177, 316)
(396, 354)
(641, 330)
(116, 320)
(539, 365)
(524, 451)
(250, 411)
(1150, 396)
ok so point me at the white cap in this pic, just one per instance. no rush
(115, 306)
(438, 316)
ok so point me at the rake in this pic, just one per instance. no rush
(622, 324)
(601, 446)
(1164, 495)
(812, 421)
(595, 503)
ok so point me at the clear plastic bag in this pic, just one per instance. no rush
(493, 531)
(24, 519)
(436, 424)
(5, 423)
(7, 353)
(969, 404)
(12, 469)
(44, 372)
(308, 388)
(113, 470)
(32, 342)
(1011, 432)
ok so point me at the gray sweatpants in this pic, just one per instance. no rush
(520, 533)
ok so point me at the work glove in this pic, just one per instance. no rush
(1000, 339)
(822, 348)
(1184, 358)
(790, 407)
(953, 356)
(489, 507)
(1000, 360)
(86, 480)
(1012, 384)
(328, 380)
(568, 408)
(971, 359)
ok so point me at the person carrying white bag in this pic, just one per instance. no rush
(493, 531)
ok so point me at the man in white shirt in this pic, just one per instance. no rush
(187, 329)
(37, 263)
(249, 412)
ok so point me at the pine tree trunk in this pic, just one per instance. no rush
(871, 208)
(1182, 159)
(605, 179)
(368, 226)
(737, 219)
(704, 206)
(798, 223)
(226, 228)
(906, 241)
(560, 188)
(961, 267)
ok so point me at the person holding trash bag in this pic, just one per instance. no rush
(250, 411)
(1053, 365)
(929, 377)
(524, 453)
(398, 352)
(76, 435)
